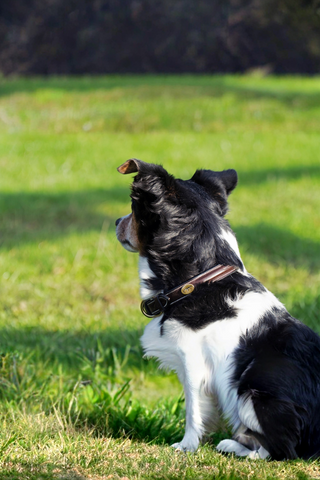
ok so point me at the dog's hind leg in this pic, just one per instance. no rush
(246, 444)
(281, 423)
(232, 446)
(275, 422)
(247, 440)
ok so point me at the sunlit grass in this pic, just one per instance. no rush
(148, 104)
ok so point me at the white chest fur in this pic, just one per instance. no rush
(205, 353)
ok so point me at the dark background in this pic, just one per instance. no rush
(152, 36)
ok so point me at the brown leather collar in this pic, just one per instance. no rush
(155, 306)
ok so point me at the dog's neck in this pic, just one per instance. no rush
(151, 284)
(163, 301)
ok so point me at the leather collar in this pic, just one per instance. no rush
(155, 306)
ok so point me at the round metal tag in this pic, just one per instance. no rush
(187, 288)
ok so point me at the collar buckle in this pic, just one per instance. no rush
(155, 306)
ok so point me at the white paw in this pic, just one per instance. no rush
(254, 455)
(231, 446)
(181, 447)
(189, 443)
(260, 453)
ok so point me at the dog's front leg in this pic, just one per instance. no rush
(191, 376)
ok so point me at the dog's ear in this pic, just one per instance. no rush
(214, 181)
(151, 178)
(143, 169)
(229, 179)
(133, 165)
(218, 184)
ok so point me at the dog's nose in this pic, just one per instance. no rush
(118, 221)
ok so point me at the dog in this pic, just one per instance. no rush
(238, 353)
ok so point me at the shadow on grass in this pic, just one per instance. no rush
(279, 246)
(257, 177)
(112, 347)
(215, 85)
(33, 217)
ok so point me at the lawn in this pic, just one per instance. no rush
(77, 400)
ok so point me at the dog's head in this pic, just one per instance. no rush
(175, 221)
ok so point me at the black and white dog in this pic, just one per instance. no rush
(236, 350)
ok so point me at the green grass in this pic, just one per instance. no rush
(77, 400)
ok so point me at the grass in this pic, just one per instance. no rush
(77, 400)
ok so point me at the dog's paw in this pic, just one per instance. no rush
(231, 446)
(181, 447)
(189, 443)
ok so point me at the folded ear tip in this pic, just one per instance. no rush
(130, 166)
(122, 168)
